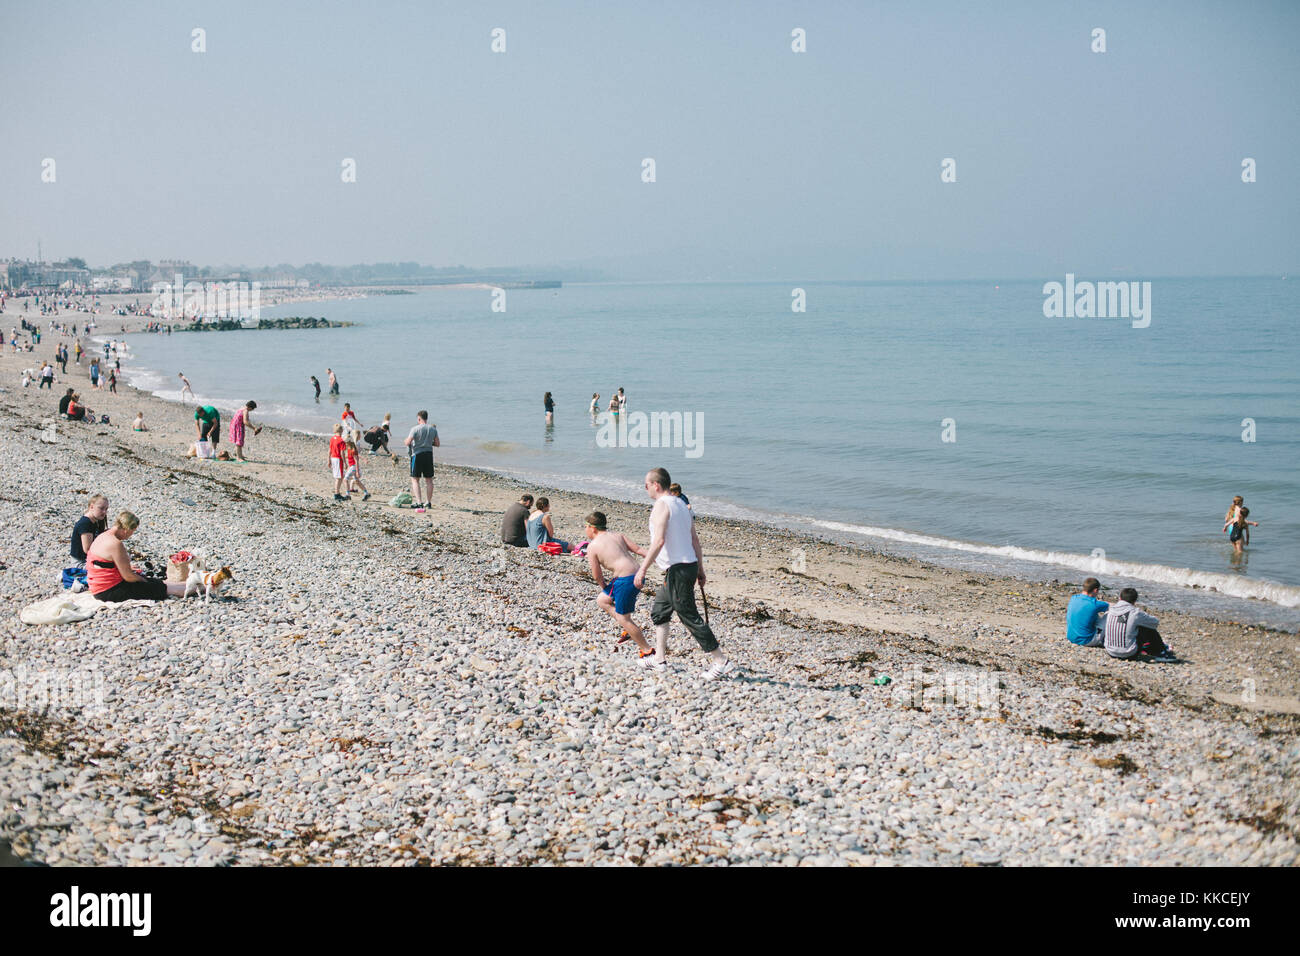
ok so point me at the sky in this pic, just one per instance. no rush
(769, 164)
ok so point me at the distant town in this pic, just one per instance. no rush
(74, 275)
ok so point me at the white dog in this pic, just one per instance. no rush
(207, 583)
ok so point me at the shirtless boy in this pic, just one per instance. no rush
(612, 550)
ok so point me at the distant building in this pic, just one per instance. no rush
(113, 282)
(24, 274)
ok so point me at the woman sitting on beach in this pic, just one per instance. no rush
(110, 575)
(88, 527)
(539, 528)
(78, 412)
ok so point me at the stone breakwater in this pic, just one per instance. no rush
(380, 687)
(288, 322)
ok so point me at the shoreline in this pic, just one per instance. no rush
(378, 686)
(1214, 594)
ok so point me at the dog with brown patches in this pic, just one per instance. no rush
(207, 582)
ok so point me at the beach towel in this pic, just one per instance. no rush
(67, 608)
(551, 547)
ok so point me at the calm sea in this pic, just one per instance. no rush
(1075, 446)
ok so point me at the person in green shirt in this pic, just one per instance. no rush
(207, 422)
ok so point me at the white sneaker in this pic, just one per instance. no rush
(652, 662)
(719, 669)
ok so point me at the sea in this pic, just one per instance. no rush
(951, 421)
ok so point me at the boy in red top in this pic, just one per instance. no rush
(336, 462)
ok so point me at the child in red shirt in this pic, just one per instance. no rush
(336, 462)
(353, 474)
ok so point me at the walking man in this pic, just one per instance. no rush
(675, 548)
(422, 440)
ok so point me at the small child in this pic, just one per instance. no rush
(353, 474)
(676, 491)
(1230, 518)
(139, 425)
(607, 549)
(1240, 529)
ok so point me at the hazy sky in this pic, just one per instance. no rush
(770, 164)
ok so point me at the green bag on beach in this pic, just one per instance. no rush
(404, 500)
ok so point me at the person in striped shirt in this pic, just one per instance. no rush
(1131, 632)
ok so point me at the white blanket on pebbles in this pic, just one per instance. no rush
(67, 608)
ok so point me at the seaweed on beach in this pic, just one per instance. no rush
(39, 732)
(1269, 821)
(1091, 736)
(1122, 764)
(859, 660)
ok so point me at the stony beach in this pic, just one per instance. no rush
(383, 687)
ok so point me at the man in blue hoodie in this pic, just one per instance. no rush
(1083, 616)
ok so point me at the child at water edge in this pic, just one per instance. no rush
(608, 549)
(1241, 529)
(1231, 517)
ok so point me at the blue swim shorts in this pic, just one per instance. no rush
(624, 593)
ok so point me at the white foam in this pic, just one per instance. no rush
(1280, 594)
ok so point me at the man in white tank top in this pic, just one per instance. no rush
(675, 548)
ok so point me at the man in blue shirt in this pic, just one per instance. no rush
(1083, 616)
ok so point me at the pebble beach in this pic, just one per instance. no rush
(381, 687)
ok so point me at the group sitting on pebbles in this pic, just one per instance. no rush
(1123, 629)
(99, 553)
